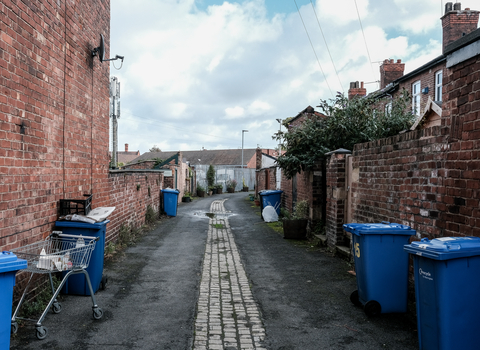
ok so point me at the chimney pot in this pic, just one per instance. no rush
(399, 61)
(448, 7)
(457, 23)
(126, 147)
(362, 85)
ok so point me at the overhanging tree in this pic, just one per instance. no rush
(347, 123)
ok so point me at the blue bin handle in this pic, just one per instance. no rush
(385, 222)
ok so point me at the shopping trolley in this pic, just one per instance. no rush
(58, 252)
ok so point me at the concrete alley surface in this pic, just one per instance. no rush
(217, 277)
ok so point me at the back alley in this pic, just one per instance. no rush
(227, 281)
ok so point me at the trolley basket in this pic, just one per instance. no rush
(58, 252)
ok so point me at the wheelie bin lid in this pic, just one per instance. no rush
(445, 248)
(269, 192)
(81, 224)
(384, 228)
(10, 262)
(170, 190)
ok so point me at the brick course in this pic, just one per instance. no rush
(54, 124)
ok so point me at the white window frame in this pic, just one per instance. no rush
(388, 108)
(438, 85)
(416, 97)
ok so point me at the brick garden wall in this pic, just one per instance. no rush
(335, 200)
(401, 179)
(461, 201)
(266, 179)
(131, 193)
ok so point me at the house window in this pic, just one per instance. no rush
(438, 85)
(416, 93)
(388, 108)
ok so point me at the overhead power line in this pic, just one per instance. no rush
(325, 41)
(318, 61)
(364, 39)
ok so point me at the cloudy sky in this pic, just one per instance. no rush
(198, 72)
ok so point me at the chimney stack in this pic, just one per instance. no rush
(126, 147)
(457, 23)
(390, 71)
(356, 90)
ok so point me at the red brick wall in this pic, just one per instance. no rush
(336, 196)
(461, 201)
(53, 114)
(402, 179)
(131, 193)
(266, 179)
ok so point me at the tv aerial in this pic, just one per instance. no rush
(100, 52)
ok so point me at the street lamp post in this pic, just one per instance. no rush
(243, 171)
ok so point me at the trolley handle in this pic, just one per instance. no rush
(74, 236)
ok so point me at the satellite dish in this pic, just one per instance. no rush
(100, 51)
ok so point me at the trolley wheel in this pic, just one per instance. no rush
(355, 299)
(14, 328)
(103, 283)
(372, 308)
(42, 332)
(57, 307)
(97, 313)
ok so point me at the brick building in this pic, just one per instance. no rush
(54, 121)
(426, 82)
(127, 156)
(427, 178)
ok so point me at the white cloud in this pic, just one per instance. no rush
(209, 74)
(234, 112)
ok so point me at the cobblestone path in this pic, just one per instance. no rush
(227, 316)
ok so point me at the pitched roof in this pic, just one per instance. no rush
(127, 157)
(203, 157)
(432, 111)
(307, 111)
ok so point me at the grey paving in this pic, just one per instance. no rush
(227, 315)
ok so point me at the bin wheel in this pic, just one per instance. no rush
(103, 283)
(14, 327)
(355, 299)
(57, 308)
(97, 313)
(41, 332)
(372, 308)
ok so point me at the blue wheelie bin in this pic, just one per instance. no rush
(9, 265)
(77, 284)
(447, 289)
(170, 200)
(381, 266)
(272, 198)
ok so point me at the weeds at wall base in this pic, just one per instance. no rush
(37, 298)
(128, 234)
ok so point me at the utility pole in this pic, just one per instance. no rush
(115, 115)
